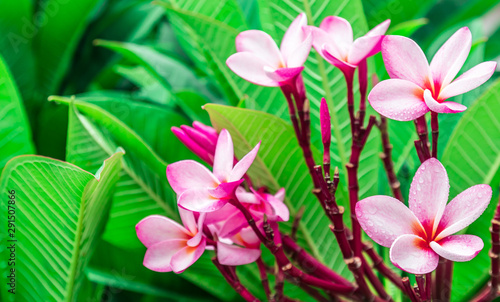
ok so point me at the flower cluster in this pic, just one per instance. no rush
(209, 220)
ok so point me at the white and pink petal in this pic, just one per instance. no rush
(188, 174)
(155, 228)
(398, 99)
(234, 255)
(384, 219)
(412, 254)
(458, 247)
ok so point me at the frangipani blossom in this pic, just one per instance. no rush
(418, 235)
(333, 40)
(200, 139)
(416, 87)
(259, 60)
(199, 189)
(171, 246)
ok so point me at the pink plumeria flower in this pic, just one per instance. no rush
(334, 41)
(259, 60)
(416, 87)
(171, 246)
(199, 189)
(418, 235)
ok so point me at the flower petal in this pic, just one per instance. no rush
(472, 78)
(380, 29)
(340, 63)
(242, 166)
(261, 45)
(234, 255)
(159, 256)
(292, 47)
(443, 107)
(225, 190)
(450, 58)
(246, 197)
(283, 75)
(339, 31)
(458, 247)
(412, 254)
(384, 218)
(404, 60)
(187, 256)
(363, 48)
(251, 68)
(429, 194)
(280, 209)
(200, 200)
(464, 209)
(188, 174)
(223, 160)
(397, 99)
(188, 220)
(156, 228)
(233, 225)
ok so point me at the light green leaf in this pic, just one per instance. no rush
(60, 212)
(15, 133)
(472, 157)
(280, 163)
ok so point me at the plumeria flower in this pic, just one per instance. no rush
(333, 40)
(199, 189)
(260, 61)
(171, 246)
(416, 87)
(418, 235)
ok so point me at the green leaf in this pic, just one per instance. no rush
(15, 132)
(472, 157)
(280, 163)
(60, 212)
(143, 189)
(398, 11)
(61, 25)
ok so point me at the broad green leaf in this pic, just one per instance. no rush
(472, 157)
(143, 189)
(60, 213)
(62, 24)
(280, 163)
(93, 136)
(15, 133)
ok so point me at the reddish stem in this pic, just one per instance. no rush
(285, 265)
(435, 133)
(263, 277)
(386, 157)
(234, 282)
(309, 264)
(423, 134)
(363, 85)
(380, 266)
(409, 290)
(377, 285)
